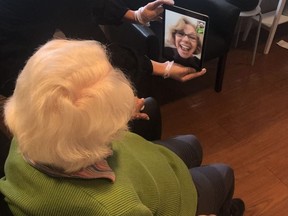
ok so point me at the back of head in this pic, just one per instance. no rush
(69, 104)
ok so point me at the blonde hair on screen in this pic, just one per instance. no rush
(179, 26)
(69, 104)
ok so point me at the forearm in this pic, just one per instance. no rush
(175, 71)
(129, 16)
(135, 17)
(158, 68)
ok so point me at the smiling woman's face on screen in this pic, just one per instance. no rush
(186, 41)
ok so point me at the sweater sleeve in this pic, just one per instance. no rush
(139, 210)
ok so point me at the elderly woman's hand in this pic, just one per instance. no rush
(175, 71)
(138, 108)
(151, 12)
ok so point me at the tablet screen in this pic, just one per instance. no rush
(184, 36)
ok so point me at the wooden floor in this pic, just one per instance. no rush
(245, 126)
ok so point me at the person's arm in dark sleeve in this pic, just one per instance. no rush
(115, 11)
(138, 68)
(108, 12)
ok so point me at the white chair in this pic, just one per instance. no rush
(252, 15)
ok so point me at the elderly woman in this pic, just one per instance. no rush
(72, 153)
(183, 43)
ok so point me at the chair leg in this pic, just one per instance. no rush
(220, 72)
(247, 29)
(238, 32)
(257, 39)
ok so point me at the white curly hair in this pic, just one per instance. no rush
(69, 104)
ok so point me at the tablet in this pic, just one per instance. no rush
(184, 36)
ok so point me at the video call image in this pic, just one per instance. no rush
(184, 38)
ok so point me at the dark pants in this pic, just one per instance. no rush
(215, 187)
(214, 183)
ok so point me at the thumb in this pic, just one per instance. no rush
(193, 75)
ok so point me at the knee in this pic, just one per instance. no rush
(192, 141)
(193, 147)
(227, 174)
(224, 169)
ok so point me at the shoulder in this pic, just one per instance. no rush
(170, 53)
(169, 50)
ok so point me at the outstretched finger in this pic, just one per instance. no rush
(159, 10)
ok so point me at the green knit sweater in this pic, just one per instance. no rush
(150, 180)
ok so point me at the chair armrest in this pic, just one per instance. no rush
(136, 36)
(3, 128)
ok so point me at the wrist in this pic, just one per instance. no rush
(167, 69)
(129, 16)
(162, 69)
(139, 18)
